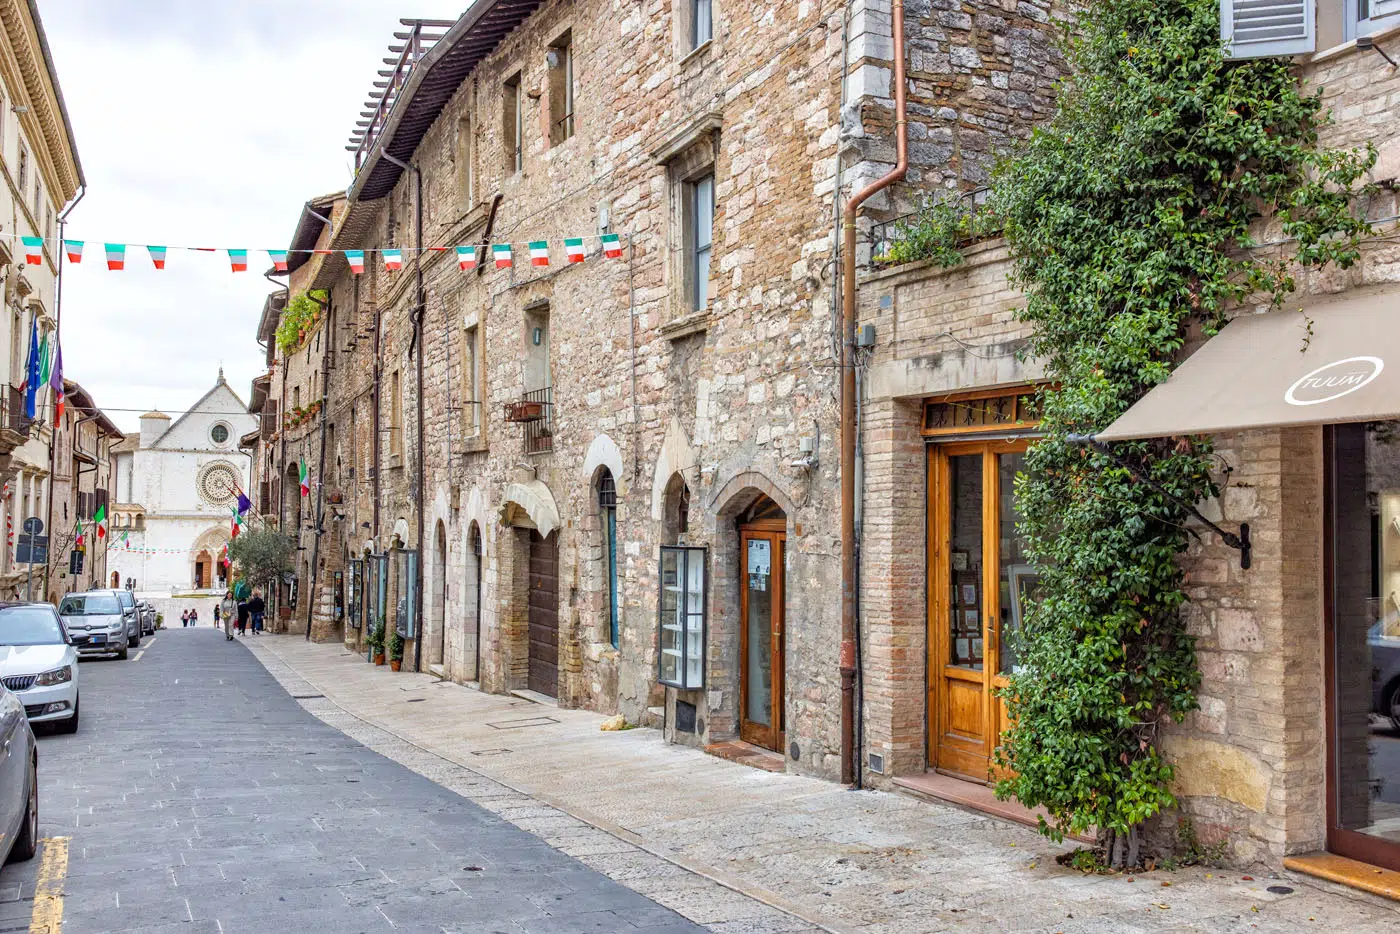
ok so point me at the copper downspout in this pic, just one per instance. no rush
(848, 402)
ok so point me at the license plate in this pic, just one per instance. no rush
(98, 640)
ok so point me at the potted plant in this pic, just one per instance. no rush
(376, 644)
(396, 651)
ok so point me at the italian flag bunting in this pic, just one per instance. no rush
(539, 252)
(393, 259)
(500, 252)
(157, 256)
(356, 259)
(612, 246)
(99, 519)
(305, 477)
(238, 259)
(279, 259)
(74, 249)
(466, 258)
(573, 249)
(33, 250)
(116, 256)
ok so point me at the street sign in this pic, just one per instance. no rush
(75, 562)
(32, 549)
(33, 525)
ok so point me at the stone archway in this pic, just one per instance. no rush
(206, 553)
(528, 641)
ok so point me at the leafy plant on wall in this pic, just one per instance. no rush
(1129, 216)
(301, 313)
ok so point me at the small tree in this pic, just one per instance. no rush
(262, 555)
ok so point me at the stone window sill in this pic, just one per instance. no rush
(475, 445)
(693, 323)
(696, 54)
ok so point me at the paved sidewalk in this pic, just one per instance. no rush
(675, 824)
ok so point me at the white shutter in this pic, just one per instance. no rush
(1255, 28)
(1381, 8)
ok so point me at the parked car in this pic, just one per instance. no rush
(1384, 642)
(147, 611)
(19, 782)
(38, 664)
(133, 616)
(95, 623)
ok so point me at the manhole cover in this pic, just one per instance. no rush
(1279, 890)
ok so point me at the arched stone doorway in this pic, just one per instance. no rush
(530, 566)
(437, 616)
(203, 571)
(473, 601)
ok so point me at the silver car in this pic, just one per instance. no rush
(19, 782)
(97, 625)
(147, 612)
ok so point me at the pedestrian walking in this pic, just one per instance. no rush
(216, 616)
(256, 608)
(242, 618)
(185, 618)
(194, 617)
(227, 609)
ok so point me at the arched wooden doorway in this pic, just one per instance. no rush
(203, 570)
(762, 619)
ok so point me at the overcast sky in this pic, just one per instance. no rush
(201, 124)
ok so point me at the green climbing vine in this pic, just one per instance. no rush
(1129, 216)
(300, 315)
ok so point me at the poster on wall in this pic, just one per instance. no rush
(760, 564)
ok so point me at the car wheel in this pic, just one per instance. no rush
(1392, 705)
(123, 653)
(71, 724)
(136, 641)
(28, 841)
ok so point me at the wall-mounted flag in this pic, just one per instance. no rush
(356, 259)
(157, 256)
(305, 477)
(116, 255)
(238, 259)
(539, 252)
(99, 519)
(612, 245)
(573, 248)
(33, 250)
(393, 259)
(500, 252)
(31, 369)
(279, 259)
(74, 248)
(466, 258)
(56, 383)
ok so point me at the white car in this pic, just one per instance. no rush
(38, 664)
(96, 624)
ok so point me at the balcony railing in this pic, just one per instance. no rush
(534, 410)
(12, 416)
(407, 52)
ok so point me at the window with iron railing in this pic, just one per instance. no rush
(560, 59)
(513, 124)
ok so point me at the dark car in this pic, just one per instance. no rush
(19, 782)
(1384, 642)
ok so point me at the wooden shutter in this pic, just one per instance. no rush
(1256, 28)
(1380, 8)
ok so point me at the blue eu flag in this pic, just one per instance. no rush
(31, 369)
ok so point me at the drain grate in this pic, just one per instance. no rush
(308, 697)
(489, 752)
(522, 723)
(415, 700)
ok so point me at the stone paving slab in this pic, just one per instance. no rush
(834, 859)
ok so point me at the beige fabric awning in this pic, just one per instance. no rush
(1264, 371)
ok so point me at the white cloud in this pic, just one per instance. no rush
(200, 124)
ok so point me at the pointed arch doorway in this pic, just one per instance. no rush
(762, 620)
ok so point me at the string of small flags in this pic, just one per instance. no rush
(502, 255)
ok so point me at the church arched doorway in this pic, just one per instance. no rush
(203, 570)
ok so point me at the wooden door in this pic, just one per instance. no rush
(978, 582)
(761, 621)
(544, 614)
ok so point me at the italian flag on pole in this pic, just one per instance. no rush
(500, 252)
(305, 477)
(99, 519)
(539, 252)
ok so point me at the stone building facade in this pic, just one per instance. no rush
(1293, 748)
(82, 484)
(512, 455)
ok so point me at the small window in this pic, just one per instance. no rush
(219, 433)
(395, 414)
(701, 22)
(23, 168)
(513, 120)
(38, 198)
(1367, 16)
(48, 223)
(607, 516)
(701, 213)
(560, 59)
(406, 604)
(466, 168)
(682, 622)
(471, 383)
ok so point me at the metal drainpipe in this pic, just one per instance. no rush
(849, 426)
(420, 307)
(57, 335)
(329, 338)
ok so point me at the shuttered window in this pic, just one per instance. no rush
(1375, 9)
(1255, 28)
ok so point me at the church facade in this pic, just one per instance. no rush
(174, 487)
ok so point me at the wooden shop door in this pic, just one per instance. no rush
(544, 614)
(762, 591)
(978, 582)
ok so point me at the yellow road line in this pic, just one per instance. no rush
(48, 890)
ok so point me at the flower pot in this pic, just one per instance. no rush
(379, 658)
(395, 664)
